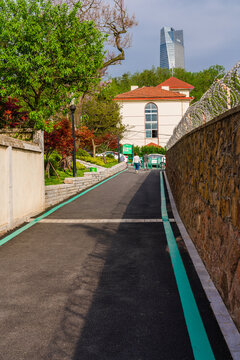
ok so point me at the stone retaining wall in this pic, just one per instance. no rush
(203, 169)
(55, 194)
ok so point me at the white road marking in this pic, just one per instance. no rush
(98, 221)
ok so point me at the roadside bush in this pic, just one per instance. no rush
(82, 152)
(54, 159)
(111, 160)
(141, 150)
(98, 160)
(79, 166)
(110, 156)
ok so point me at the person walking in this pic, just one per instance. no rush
(145, 160)
(136, 162)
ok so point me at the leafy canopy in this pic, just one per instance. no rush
(201, 80)
(47, 56)
(102, 116)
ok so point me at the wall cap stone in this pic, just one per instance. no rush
(18, 144)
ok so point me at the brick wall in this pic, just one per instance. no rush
(203, 169)
(55, 194)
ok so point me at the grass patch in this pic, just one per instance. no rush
(53, 180)
(110, 164)
(99, 161)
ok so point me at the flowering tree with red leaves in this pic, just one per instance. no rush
(10, 114)
(105, 142)
(84, 137)
(61, 140)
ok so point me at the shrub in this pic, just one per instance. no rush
(110, 156)
(97, 161)
(84, 158)
(79, 166)
(82, 152)
(141, 150)
(55, 157)
(111, 160)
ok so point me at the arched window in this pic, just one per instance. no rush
(151, 120)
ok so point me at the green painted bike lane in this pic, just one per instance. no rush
(200, 344)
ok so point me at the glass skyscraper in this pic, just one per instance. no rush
(171, 48)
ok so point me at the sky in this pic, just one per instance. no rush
(211, 30)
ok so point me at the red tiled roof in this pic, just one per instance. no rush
(153, 144)
(175, 83)
(150, 93)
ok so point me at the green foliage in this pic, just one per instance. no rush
(110, 156)
(54, 159)
(82, 152)
(79, 166)
(102, 116)
(98, 160)
(92, 160)
(201, 80)
(141, 150)
(110, 163)
(54, 180)
(48, 56)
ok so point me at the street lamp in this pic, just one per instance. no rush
(118, 150)
(118, 127)
(73, 108)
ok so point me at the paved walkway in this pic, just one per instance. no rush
(94, 281)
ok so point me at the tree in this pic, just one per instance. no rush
(201, 80)
(84, 137)
(61, 140)
(47, 55)
(111, 18)
(102, 116)
(105, 142)
(10, 114)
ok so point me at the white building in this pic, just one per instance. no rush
(151, 113)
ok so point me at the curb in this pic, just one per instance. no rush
(225, 322)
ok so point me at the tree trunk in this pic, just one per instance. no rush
(47, 170)
(94, 147)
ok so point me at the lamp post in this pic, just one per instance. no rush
(118, 135)
(118, 150)
(73, 108)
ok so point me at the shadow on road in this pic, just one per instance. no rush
(124, 305)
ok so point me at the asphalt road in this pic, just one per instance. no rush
(99, 291)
